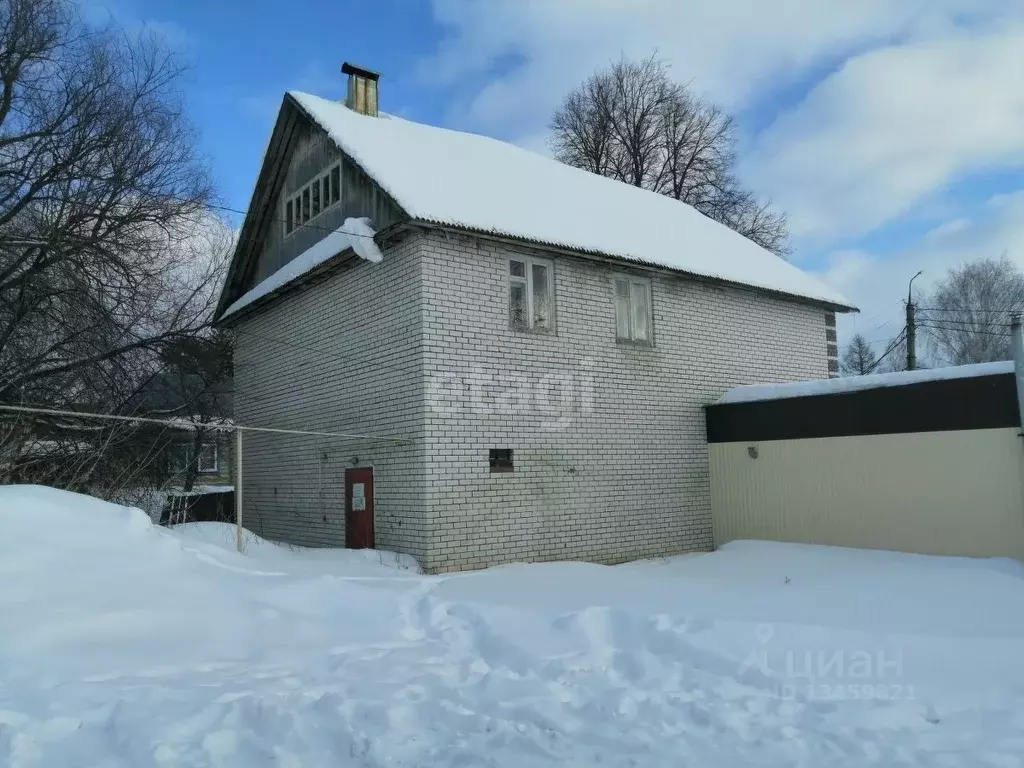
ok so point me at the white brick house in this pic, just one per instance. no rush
(541, 340)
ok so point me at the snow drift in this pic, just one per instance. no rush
(125, 644)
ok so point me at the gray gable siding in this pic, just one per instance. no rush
(312, 153)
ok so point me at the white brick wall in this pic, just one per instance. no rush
(628, 479)
(420, 345)
(344, 355)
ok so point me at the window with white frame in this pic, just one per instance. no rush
(632, 309)
(207, 459)
(318, 196)
(531, 294)
(205, 463)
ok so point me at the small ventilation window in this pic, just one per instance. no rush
(501, 460)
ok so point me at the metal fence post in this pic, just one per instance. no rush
(238, 488)
(186, 423)
(1017, 338)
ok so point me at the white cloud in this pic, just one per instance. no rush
(948, 228)
(893, 127)
(732, 50)
(920, 93)
(906, 98)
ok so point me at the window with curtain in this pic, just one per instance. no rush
(632, 309)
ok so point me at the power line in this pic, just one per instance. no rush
(979, 332)
(971, 309)
(187, 424)
(297, 225)
(290, 344)
(892, 346)
(967, 331)
(966, 324)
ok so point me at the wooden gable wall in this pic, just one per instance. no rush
(309, 152)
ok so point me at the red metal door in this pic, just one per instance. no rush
(359, 508)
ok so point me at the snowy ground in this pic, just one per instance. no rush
(125, 644)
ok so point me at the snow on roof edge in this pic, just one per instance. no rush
(356, 234)
(309, 105)
(793, 389)
(844, 306)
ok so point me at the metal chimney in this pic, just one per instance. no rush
(362, 89)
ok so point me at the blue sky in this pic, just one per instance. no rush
(243, 57)
(891, 131)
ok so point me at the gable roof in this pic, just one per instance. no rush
(474, 182)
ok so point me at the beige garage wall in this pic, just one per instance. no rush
(948, 493)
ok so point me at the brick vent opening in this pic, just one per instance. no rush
(500, 460)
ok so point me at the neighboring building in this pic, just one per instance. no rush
(541, 339)
(213, 458)
(194, 457)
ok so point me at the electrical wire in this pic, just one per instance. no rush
(971, 322)
(892, 346)
(192, 424)
(880, 341)
(971, 309)
(281, 342)
(963, 326)
(298, 226)
(928, 326)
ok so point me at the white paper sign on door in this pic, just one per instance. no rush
(358, 497)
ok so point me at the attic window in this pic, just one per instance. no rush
(500, 460)
(335, 184)
(311, 200)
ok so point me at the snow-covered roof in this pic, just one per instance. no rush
(758, 392)
(356, 234)
(478, 183)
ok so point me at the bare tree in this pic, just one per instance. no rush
(101, 193)
(895, 359)
(633, 123)
(195, 386)
(858, 358)
(966, 317)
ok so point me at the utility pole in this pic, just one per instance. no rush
(911, 326)
(911, 337)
